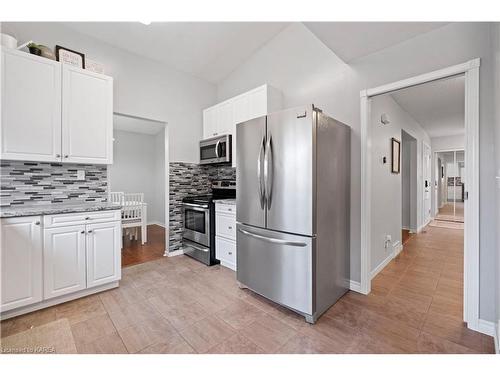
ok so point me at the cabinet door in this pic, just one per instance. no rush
(257, 102)
(103, 253)
(225, 118)
(64, 260)
(21, 262)
(210, 122)
(31, 107)
(87, 117)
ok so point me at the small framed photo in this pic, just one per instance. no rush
(70, 57)
(395, 155)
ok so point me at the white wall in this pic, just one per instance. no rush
(137, 169)
(452, 142)
(296, 62)
(142, 87)
(386, 186)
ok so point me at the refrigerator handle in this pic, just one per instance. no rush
(272, 240)
(268, 170)
(259, 173)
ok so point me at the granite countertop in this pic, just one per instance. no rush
(57, 208)
(226, 201)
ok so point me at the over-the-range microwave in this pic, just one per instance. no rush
(216, 150)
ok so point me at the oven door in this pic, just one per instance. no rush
(215, 150)
(196, 223)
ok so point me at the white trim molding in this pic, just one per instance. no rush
(497, 337)
(470, 69)
(486, 327)
(355, 286)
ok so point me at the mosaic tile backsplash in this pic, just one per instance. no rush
(190, 179)
(37, 183)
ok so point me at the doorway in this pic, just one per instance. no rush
(470, 274)
(408, 186)
(138, 181)
(450, 194)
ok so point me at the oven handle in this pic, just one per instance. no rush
(194, 206)
(204, 249)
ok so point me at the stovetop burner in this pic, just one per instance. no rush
(224, 189)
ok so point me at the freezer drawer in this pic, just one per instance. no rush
(277, 266)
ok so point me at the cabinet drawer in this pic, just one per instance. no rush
(226, 208)
(62, 220)
(225, 251)
(225, 226)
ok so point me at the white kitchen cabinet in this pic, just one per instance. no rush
(31, 107)
(103, 253)
(87, 116)
(64, 260)
(210, 122)
(225, 234)
(21, 262)
(53, 112)
(223, 117)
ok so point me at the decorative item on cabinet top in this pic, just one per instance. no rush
(68, 56)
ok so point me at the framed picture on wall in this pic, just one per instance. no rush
(395, 155)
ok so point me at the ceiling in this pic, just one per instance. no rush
(438, 106)
(352, 40)
(208, 50)
(136, 125)
(212, 50)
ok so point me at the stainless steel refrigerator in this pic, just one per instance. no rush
(293, 202)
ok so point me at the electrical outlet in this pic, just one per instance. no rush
(388, 238)
(80, 175)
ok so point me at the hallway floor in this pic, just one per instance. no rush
(447, 213)
(177, 305)
(135, 253)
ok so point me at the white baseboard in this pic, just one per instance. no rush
(382, 265)
(486, 327)
(355, 286)
(398, 247)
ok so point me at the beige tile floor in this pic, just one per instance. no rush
(177, 305)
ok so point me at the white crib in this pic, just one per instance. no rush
(134, 213)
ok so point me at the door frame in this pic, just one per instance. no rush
(426, 219)
(470, 70)
(167, 177)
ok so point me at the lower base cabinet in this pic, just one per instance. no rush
(21, 262)
(64, 260)
(70, 254)
(225, 234)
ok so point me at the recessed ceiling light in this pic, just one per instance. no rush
(147, 23)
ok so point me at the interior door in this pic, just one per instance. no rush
(251, 136)
(289, 164)
(103, 253)
(87, 113)
(64, 260)
(426, 171)
(31, 107)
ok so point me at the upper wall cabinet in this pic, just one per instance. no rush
(54, 112)
(31, 107)
(223, 117)
(87, 117)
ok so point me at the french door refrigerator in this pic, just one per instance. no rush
(293, 202)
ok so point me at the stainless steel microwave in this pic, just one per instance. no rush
(216, 150)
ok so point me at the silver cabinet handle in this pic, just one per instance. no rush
(90, 231)
(230, 253)
(229, 227)
(268, 171)
(82, 232)
(58, 155)
(217, 148)
(259, 173)
(37, 223)
(66, 156)
(273, 240)
(87, 218)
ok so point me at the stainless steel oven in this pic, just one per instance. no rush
(196, 222)
(216, 150)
